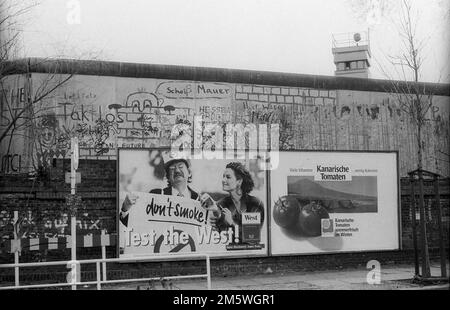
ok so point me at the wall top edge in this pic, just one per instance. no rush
(206, 74)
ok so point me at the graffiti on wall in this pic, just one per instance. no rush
(194, 90)
(11, 163)
(93, 126)
(12, 101)
(345, 120)
(142, 118)
(142, 113)
(49, 224)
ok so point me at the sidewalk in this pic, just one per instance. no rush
(394, 277)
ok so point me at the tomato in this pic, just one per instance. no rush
(285, 211)
(309, 219)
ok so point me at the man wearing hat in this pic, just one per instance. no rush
(178, 174)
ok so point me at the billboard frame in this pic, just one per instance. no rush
(399, 219)
(233, 256)
(269, 208)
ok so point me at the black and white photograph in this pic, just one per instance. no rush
(212, 146)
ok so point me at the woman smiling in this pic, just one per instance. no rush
(228, 211)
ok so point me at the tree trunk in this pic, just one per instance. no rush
(423, 227)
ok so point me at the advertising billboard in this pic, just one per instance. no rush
(170, 204)
(323, 202)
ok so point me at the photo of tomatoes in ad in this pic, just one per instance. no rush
(299, 218)
(310, 219)
(285, 211)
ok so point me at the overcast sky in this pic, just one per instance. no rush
(278, 35)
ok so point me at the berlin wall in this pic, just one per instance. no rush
(107, 112)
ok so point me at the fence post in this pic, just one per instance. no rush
(103, 255)
(99, 287)
(16, 248)
(208, 271)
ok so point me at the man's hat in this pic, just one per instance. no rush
(170, 158)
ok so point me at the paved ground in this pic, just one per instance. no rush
(395, 277)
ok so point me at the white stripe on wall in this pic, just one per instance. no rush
(87, 241)
(34, 244)
(52, 243)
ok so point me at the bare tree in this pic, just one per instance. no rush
(372, 11)
(11, 27)
(415, 99)
(403, 71)
(20, 116)
(21, 111)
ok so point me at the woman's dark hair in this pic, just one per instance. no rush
(243, 174)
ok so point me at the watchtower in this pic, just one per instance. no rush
(351, 53)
